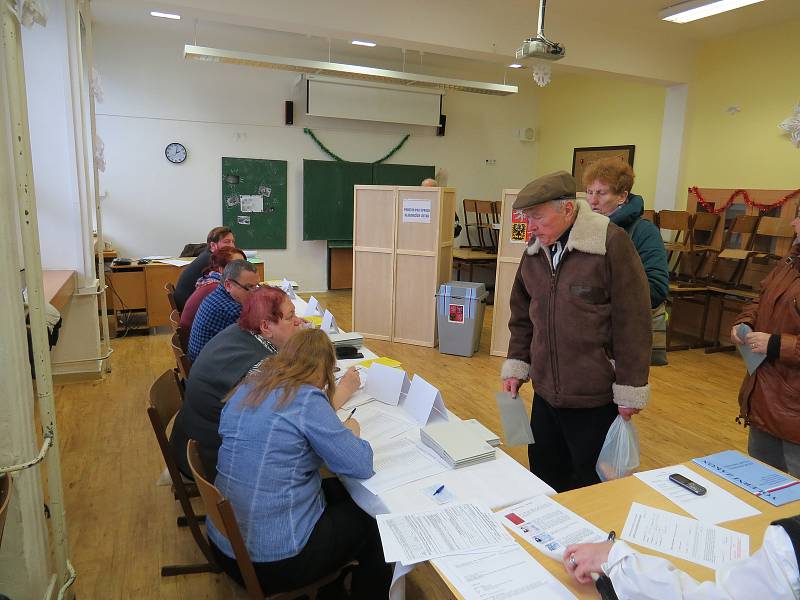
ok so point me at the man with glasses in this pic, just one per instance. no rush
(223, 306)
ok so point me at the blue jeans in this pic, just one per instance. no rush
(774, 451)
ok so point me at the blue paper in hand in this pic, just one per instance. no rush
(751, 359)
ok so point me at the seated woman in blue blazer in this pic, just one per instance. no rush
(278, 428)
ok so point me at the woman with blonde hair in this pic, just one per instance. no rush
(278, 428)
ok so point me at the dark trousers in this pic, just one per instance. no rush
(567, 443)
(343, 533)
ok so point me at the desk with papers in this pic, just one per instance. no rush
(527, 569)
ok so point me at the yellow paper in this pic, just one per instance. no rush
(383, 360)
(315, 320)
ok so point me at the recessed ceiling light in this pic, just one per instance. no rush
(360, 43)
(155, 13)
(686, 12)
(515, 66)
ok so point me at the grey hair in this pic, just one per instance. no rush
(561, 205)
(429, 182)
(234, 268)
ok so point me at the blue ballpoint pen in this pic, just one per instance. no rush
(439, 489)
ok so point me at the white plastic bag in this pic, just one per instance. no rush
(619, 455)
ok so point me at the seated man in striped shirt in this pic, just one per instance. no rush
(222, 306)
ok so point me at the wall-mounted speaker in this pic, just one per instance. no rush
(442, 124)
(289, 113)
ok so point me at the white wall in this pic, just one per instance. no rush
(153, 97)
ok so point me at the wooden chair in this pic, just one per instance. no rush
(164, 403)
(183, 361)
(5, 500)
(175, 319)
(679, 224)
(736, 248)
(704, 227)
(650, 215)
(171, 297)
(484, 216)
(220, 512)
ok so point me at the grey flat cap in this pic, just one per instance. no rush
(555, 186)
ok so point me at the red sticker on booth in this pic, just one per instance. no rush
(456, 313)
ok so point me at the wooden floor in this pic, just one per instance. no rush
(122, 526)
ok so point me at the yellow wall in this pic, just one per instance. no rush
(587, 110)
(757, 71)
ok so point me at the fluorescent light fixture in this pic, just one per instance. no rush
(155, 13)
(301, 65)
(686, 12)
(515, 66)
(360, 43)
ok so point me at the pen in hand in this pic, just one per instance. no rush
(350, 416)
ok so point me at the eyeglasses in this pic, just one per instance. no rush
(247, 287)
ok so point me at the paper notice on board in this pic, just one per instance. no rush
(243, 219)
(251, 203)
(416, 211)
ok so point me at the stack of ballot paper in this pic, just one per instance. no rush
(484, 432)
(458, 443)
(353, 339)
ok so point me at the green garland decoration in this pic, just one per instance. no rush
(336, 157)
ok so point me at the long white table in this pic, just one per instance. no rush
(494, 484)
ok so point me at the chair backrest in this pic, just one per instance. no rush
(775, 227)
(650, 215)
(5, 500)
(740, 233)
(704, 228)
(220, 512)
(184, 362)
(675, 220)
(484, 214)
(171, 297)
(175, 320)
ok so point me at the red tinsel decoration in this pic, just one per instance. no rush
(745, 196)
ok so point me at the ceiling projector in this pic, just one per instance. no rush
(539, 46)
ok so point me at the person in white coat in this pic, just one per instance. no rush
(771, 572)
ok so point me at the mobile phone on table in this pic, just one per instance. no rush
(688, 484)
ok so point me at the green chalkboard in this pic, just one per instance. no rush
(328, 197)
(328, 192)
(401, 174)
(254, 201)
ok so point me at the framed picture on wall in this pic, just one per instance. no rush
(583, 157)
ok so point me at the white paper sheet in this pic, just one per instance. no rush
(715, 506)
(400, 461)
(377, 424)
(682, 537)
(507, 574)
(386, 384)
(416, 211)
(328, 324)
(423, 399)
(312, 308)
(154, 257)
(453, 529)
(251, 203)
(549, 526)
(177, 262)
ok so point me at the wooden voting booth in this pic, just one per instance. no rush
(402, 252)
(512, 243)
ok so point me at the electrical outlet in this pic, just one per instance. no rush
(490, 162)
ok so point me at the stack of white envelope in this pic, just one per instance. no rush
(458, 443)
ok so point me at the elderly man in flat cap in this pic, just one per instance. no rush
(580, 330)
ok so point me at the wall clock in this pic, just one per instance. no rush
(175, 153)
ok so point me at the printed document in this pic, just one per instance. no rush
(682, 537)
(549, 526)
(506, 574)
(399, 461)
(715, 506)
(453, 529)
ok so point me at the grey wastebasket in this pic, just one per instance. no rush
(459, 315)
